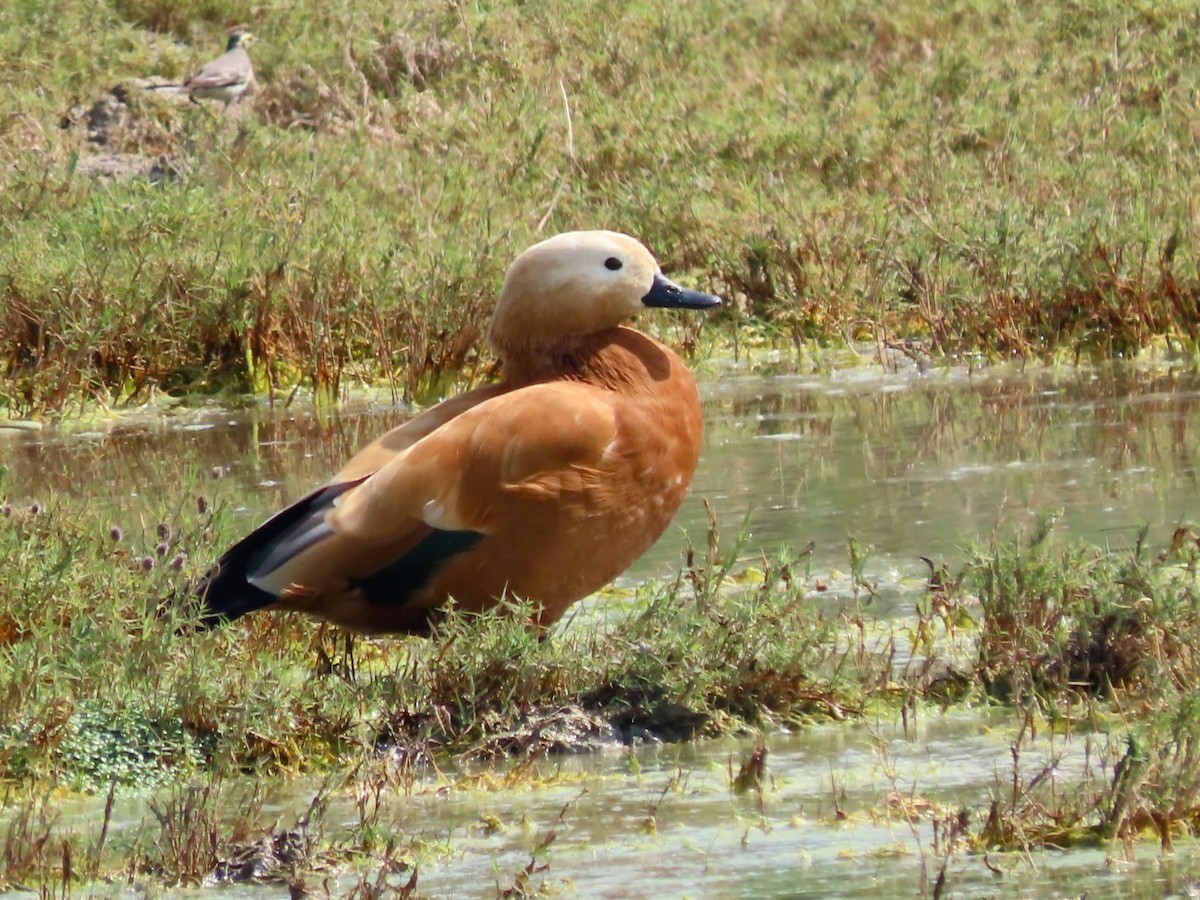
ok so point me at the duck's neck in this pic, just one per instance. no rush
(621, 359)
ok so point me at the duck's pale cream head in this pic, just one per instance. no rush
(578, 283)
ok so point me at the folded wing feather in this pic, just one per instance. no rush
(455, 478)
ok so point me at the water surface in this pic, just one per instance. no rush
(911, 464)
(846, 811)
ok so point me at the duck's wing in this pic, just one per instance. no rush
(385, 533)
(377, 454)
(460, 475)
(226, 591)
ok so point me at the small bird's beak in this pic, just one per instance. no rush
(666, 293)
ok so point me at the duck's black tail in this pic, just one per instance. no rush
(226, 592)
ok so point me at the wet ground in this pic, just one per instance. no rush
(845, 811)
(911, 464)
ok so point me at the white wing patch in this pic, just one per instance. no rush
(433, 514)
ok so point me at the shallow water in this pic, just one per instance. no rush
(919, 465)
(912, 464)
(823, 827)
(845, 812)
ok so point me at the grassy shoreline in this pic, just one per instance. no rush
(108, 692)
(971, 178)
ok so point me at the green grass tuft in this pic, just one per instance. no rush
(957, 180)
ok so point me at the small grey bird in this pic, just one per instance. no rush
(226, 77)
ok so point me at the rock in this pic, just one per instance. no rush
(123, 166)
(112, 110)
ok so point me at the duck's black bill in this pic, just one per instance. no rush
(667, 294)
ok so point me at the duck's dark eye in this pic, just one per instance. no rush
(612, 264)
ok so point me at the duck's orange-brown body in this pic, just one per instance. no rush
(543, 487)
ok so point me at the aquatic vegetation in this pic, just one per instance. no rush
(1087, 652)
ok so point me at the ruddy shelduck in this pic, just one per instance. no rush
(543, 487)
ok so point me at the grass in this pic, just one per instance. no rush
(107, 689)
(137, 693)
(962, 179)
